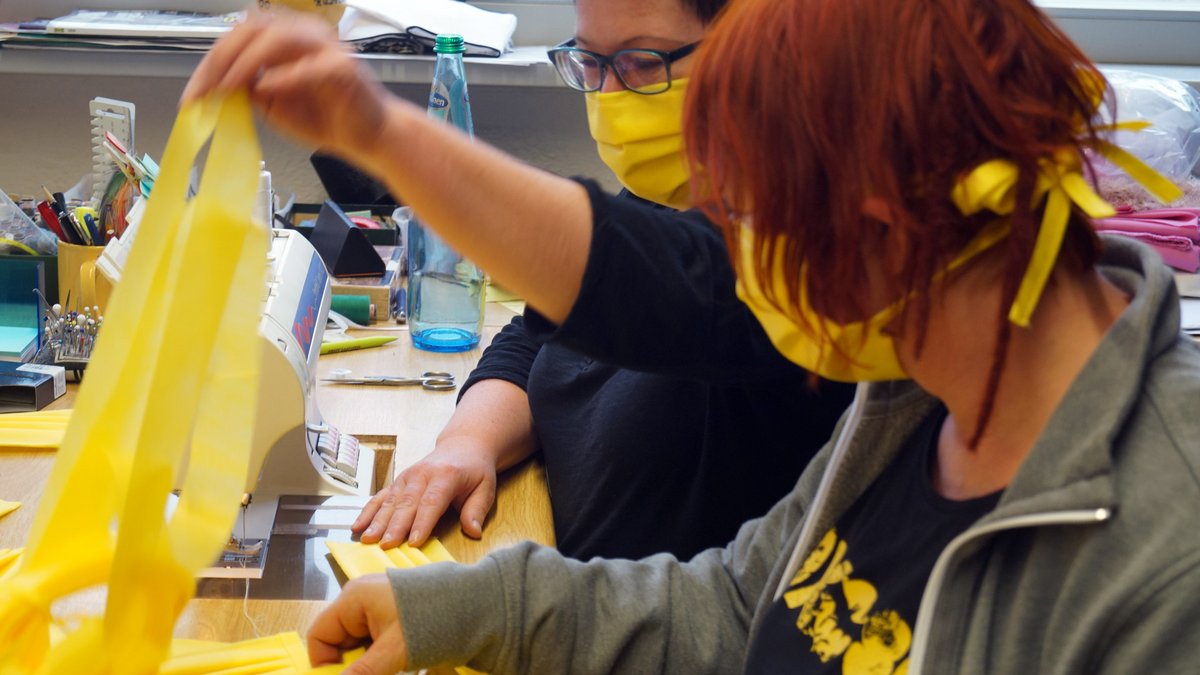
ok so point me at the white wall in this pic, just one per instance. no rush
(45, 137)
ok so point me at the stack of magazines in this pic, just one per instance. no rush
(125, 29)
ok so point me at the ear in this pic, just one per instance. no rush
(878, 209)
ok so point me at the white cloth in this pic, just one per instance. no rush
(485, 33)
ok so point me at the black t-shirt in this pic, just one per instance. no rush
(851, 607)
(665, 416)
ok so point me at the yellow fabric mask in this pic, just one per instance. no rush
(854, 352)
(861, 351)
(640, 138)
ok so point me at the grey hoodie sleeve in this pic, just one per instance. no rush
(529, 609)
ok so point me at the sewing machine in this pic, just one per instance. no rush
(294, 452)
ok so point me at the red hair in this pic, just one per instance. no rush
(799, 112)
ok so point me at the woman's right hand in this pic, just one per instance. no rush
(302, 80)
(458, 472)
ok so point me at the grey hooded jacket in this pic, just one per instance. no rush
(1090, 563)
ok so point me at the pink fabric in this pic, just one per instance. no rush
(1174, 233)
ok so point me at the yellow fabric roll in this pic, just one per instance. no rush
(172, 383)
(38, 430)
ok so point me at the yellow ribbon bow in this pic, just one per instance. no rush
(1060, 180)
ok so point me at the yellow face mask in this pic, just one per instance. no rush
(853, 352)
(640, 138)
(861, 351)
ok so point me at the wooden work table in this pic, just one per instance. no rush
(411, 416)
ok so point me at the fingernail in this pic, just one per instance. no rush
(372, 531)
(475, 524)
(413, 537)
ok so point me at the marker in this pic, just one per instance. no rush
(354, 343)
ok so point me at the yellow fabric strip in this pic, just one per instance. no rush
(1154, 182)
(281, 654)
(8, 507)
(165, 404)
(42, 429)
(8, 556)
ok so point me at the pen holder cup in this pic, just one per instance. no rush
(78, 276)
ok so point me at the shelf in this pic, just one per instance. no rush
(129, 63)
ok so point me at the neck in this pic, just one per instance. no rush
(1041, 362)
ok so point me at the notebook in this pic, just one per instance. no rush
(145, 24)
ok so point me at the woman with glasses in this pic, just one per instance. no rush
(1015, 487)
(664, 415)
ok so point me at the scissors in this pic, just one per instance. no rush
(432, 381)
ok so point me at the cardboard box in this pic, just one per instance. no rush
(381, 289)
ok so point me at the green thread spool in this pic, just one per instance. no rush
(357, 308)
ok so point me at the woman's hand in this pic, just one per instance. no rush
(458, 471)
(300, 78)
(364, 613)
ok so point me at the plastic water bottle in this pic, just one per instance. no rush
(445, 290)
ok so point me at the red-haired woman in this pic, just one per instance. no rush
(903, 186)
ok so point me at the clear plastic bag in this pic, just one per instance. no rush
(1171, 145)
(19, 234)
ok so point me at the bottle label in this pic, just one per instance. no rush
(439, 102)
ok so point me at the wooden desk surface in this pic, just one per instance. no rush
(410, 414)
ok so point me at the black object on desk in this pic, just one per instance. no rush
(27, 387)
(343, 246)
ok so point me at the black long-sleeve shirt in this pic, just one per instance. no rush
(665, 416)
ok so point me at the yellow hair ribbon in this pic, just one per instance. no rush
(991, 186)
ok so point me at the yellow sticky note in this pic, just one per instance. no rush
(8, 507)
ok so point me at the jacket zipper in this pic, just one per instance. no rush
(930, 597)
(810, 522)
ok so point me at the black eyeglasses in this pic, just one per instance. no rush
(644, 71)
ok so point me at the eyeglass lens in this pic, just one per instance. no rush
(638, 70)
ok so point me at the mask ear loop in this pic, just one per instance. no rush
(992, 186)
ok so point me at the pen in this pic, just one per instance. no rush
(86, 216)
(57, 204)
(79, 232)
(51, 221)
(354, 343)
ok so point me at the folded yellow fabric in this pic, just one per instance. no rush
(356, 558)
(40, 430)
(8, 507)
(8, 556)
(167, 403)
(282, 654)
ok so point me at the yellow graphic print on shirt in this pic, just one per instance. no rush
(876, 642)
